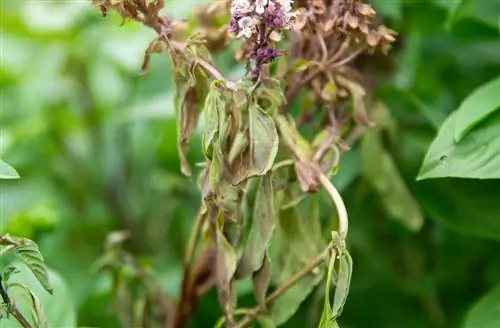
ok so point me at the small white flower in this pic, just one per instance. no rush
(247, 25)
(275, 36)
(259, 6)
(286, 5)
(241, 6)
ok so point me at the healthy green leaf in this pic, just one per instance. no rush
(486, 312)
(59, 308)
(476, 156)
(29, 253)
(7, 171)
(342, 283)
(467, 206)
(479, 105)
(38, 316)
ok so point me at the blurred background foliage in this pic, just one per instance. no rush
(94, 143)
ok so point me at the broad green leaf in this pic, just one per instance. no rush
(263, 224)
(480, 104)
(486, 312)
(7, 171)
(457, 9)
(59, 308)
(265, 322)
(475, 156)
(28, 252)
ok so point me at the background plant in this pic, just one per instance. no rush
(129, 180)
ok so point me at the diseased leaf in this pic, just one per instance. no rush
(263, 224)
(259, 157)
(296, 246)
(261, 279)
(486, 312)
(191, 84)
(213, 103)
(7, 171)
(479, 105)
(226, 261)
(28, 252)
(475, 156)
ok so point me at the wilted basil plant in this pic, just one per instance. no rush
(259, 214)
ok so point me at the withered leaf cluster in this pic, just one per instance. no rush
(261, 172)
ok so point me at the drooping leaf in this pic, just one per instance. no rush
(475, 156)
(486, 312)
(191, 90)
(296, 246)
(7, 171)
(342, 283)
(327, 315)
(263, 224)
(480, 104)
(263, 146)
(261, 279)
(28, 252)
(226, 261)
(214, 102)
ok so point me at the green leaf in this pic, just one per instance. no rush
(263, 224)
(28, 252)
(480, 104)
(213, 103)
(469, 207)
(385, 177)
(7, 171)
(486, 312)
(327, 315)
(38, 316)
(59, 308)
(475, 156)
(342, 283)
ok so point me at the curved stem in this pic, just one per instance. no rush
(339, 203)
